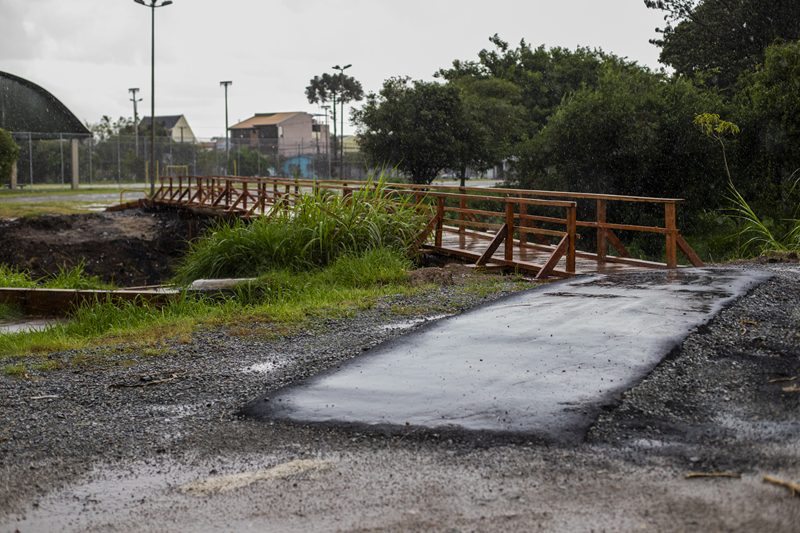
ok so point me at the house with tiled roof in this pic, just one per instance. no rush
(287, 133)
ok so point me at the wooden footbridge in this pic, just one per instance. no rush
(517, 229)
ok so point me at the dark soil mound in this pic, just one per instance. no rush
(129, 249)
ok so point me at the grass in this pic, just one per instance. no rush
(311, 234)
(279, 303)
(34, 209)
(67, 278)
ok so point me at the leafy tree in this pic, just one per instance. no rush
(9, 152)
(492, 122)
(722, 36)
(544, 77)
(414, 126)
(329, 88)
(628, 136)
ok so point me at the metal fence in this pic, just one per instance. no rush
(121, 160)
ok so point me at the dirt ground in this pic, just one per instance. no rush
(129, 249)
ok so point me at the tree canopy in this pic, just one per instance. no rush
(9, 152)
(414, 126)
(722, 37)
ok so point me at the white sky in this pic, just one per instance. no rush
(88, 53)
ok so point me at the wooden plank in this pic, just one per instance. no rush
(554, 258)
(602, 242)
(617, 244)
(684, 247)
(509, 251)
(425, 233)
(523, 235)
(672, 251)
(571, 214)
(458, 223)
(646, 229)
(439, 221)
(468, 211)
(540, 231)
(493, 246)
(554, 203)
(552, 194)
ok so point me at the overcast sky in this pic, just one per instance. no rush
(88, 53)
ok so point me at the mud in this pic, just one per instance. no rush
(129, 249)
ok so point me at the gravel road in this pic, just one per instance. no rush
(106, 442)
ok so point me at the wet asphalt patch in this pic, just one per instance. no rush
(538, 365)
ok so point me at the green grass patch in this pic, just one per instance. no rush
(34, 209)
(16, 371)
(10, 312)
(311, 234)
(67, 278)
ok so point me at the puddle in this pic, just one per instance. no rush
(408, 324)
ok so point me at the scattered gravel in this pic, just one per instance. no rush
(712, 405)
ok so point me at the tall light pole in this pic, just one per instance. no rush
(227, 149)
(153, 7)
(341, 119)
(135, 120)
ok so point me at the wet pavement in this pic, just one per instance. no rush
(541, 363)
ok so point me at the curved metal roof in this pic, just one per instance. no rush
(26, 107)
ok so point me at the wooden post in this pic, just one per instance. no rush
(672, 236)
(439, 220)
(462, 204)
(523, 210)
(509, 255)
(571, 225)
(74, 146)
(244, 195)
(602, 243)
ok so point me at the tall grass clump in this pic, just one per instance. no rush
(313, 233)
(765, 235)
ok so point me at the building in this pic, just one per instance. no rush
(176, 124)
(31, 113)
(287, 134)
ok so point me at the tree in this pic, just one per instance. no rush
(724, 37)
(9, 152)
(491, 123)
(631, 136)
(543, 77)
(413, 126)
(329, 87)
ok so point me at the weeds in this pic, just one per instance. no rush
(313, 233)
(67, 278)
(16, 371)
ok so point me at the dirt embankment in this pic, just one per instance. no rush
(129, 249)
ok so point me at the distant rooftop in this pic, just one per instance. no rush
(265, 119)
(26, 107)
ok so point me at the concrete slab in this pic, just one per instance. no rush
(541, 363)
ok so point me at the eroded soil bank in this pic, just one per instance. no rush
(129, 249)
(93, 447)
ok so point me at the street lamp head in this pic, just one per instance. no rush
(347, 66)
(165, 3)
(140, 2)
(226, 83)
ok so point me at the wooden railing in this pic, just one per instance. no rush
(246, 197)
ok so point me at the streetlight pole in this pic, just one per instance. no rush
(341, 119)
(135, 120)
(227, 148)
(153, 7)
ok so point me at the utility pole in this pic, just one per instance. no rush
(153, 168)
(227, 148)
(327, 139)
(135, 120)
(341, 102)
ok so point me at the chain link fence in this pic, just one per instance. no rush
(125, 160)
